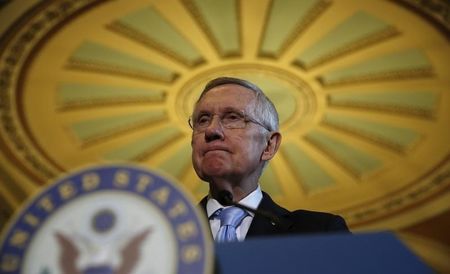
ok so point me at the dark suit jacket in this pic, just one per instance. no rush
(295, 222)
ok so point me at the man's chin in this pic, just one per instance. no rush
(214, 173)
(210, 173)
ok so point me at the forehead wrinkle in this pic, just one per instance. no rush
(215, 101)
(223, 110)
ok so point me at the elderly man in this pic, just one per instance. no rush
(235, 134)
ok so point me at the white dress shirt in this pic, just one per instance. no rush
(252, 200)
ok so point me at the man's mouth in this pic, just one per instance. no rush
(215, 149)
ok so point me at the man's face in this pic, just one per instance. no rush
(233, 154)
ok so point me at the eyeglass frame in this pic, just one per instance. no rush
(245, 118)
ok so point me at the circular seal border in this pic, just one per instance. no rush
(195, 247)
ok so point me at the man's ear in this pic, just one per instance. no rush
(273, 143)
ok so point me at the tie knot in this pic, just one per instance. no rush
(232, 216)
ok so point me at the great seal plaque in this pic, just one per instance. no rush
(108, 219)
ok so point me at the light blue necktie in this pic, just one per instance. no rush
(230, 218)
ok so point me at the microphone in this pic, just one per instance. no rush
(226, 199)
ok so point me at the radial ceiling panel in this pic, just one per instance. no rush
(219, 20)
(311, 176)
(104, 59)
(363, 95)
(399, 138)
(405, 64)
(147, 26)
(75, 95)
(285, 22)
(358, 31)
(421, 103)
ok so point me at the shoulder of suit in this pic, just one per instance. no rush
(311, 213)
(298, 212)
(324, 219)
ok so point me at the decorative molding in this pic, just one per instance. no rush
(17, 46)
(436, 11)
(414, 195)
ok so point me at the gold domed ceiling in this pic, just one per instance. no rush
(361, 87)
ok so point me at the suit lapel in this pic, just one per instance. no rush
(202, 205)
(263, 226)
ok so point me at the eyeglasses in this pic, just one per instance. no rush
(229, 120)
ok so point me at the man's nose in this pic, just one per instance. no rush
(215, 130)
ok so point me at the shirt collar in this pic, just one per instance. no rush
(252, 200)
